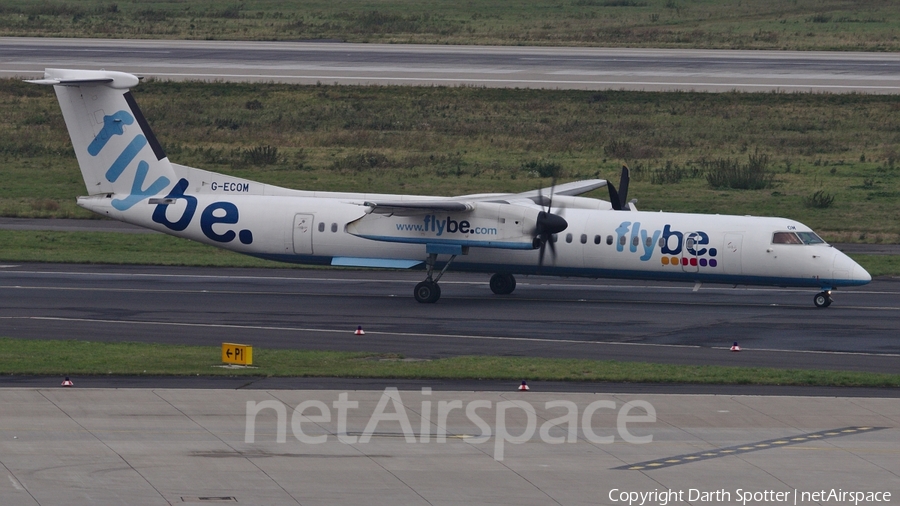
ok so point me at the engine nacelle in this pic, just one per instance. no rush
(487, 224)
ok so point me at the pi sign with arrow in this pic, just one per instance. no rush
(240, 354)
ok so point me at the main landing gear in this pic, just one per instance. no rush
(503, 284)
(823, 299)
(428, 291)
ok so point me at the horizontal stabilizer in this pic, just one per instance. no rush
(72, 77)
(69, 82)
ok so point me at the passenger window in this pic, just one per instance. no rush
(635, 241)
(609, 240)
(583, 238)
(649, 242)
(623, 241)
(554, 238)
(662, 242)
(321, 226)
(568, 237)
(597, 239)
(786, 238)
(334, 227)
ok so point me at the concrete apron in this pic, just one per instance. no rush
(139, 446)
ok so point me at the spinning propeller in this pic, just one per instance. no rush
(546, 225)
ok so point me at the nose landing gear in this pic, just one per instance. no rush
(823, 299)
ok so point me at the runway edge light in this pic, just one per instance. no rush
(240, 354)
(359, 331)
(67, 382)
(524, 387)
(735, 347)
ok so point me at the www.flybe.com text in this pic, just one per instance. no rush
(433, 224)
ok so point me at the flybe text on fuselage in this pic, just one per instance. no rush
(216, 212)
(671, 244)
(431, 223)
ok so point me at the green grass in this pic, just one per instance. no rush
(868, 25)
(451, 141)
(61, 357)
(116, 248)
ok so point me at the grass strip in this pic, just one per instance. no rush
(725, 24)
(70, 357)
(117, 248)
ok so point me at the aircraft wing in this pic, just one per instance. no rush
(419, 207)
(572, 189)
(457, 205)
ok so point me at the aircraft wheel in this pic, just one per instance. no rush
(503, 284)
(822, 299)
(427, 292)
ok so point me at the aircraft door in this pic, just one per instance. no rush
(731, 254)
(689, 253)
(303, 231)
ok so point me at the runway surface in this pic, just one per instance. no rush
(547, 317)
(489, 66)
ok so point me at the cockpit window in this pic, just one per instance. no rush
(796, 238)
(810, 238)
(786, 238)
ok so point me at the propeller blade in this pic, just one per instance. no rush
(614, 197)
(552, 191)
(619, 199)
(623, 187)
(546, 225)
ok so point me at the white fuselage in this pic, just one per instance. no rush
(312, 227)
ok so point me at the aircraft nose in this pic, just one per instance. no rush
(847, 268)
(859, 274)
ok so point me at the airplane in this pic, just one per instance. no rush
(129, 178)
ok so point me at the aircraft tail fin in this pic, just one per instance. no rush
(116, 150)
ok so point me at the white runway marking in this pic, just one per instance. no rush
(15, 483)
(349, 332)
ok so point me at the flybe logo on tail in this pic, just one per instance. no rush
(675, 247)
(114, 125)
